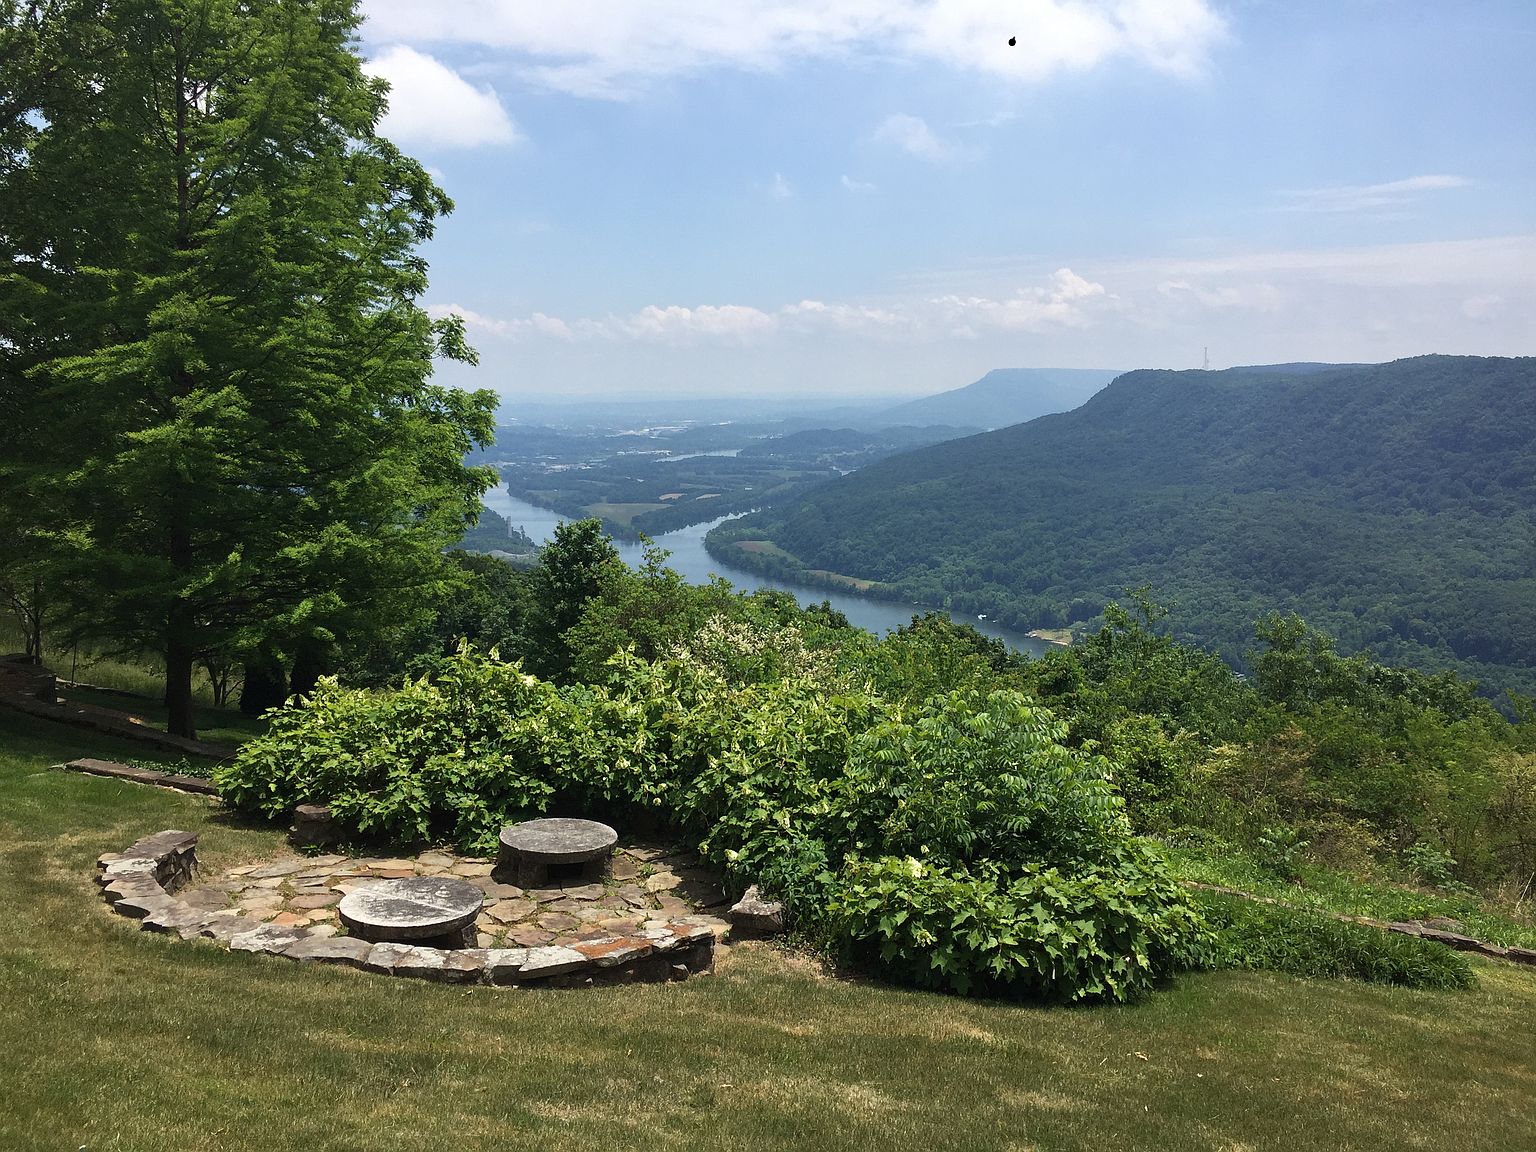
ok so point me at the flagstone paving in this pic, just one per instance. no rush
(651, 884)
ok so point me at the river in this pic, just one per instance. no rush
(688, 557)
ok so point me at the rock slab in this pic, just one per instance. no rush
(411, 908)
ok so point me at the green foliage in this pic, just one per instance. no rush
(1303, 943)
(919, 772)
(968, 778)
(487, 602)
(649, 611)
(1153, 706)
(494, 533)
(1109, 929)
(1278, 850)
(570, 573)
(789, 779)
(1234, 494)
(456, 756)
(1418, 759)
(1430, 865)
(935, 654)
(210, 329)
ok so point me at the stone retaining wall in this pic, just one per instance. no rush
(19, 676)
(118, 771)
(113, 723)
(141, 883)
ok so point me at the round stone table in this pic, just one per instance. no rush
(537, 851)
(414, 908)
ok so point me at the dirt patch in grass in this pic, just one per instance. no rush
(841, 580)
(620, 513)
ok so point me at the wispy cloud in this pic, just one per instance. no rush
(432, 106)
(1064, 300)
(1365, 197)
(780, 188)
(613, 48)
(912, 135)
(1361, 303)
(858, 186)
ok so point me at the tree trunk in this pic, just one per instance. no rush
(180, 652)
(266, 684)
(35, 623)
(178, 687)
(310, 662)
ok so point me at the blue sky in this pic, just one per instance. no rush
(842, 197)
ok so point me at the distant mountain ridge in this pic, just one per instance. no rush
(1003, 396)
(1392, 505)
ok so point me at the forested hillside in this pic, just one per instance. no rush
(1392, 505)
(1003, 396)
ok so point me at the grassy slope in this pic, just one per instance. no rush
(1509, 922)
(115, 1039)
(219, 725)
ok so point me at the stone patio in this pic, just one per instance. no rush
(651, 885)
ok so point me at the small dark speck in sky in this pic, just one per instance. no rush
(1012, 40)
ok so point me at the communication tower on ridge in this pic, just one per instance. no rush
(1206, 367)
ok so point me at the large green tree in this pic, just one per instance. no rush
(209, 314)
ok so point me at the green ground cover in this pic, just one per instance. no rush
(1509, 923)
(116, 1039)
(217, 725)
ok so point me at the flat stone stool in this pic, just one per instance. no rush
(415, 908)
(537, 851)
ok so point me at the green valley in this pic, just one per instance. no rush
(1393, 506)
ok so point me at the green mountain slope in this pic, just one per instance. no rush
(1003, 396)
(1392, 505)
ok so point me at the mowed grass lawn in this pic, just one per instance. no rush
(115, 1039)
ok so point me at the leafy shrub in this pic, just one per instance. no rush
(456, 756)
(1279, 851)
(1155, 769)
(1252, 935)
(1104, 930)
(968, 777)
(1024, 877)
(1430, 865)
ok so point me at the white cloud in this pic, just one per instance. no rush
(675, 324)
(1485, 307)
(857, 186)
(431, 105)
(610, 48)
(912, 135)
(1172, 35)
(478, 323)
(811, 316)
(1064, 302)
(780, 189)
(1460, 264)
(1366, 303)
(1255, 296)
(1362, 197)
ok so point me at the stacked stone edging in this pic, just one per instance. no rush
(141, 775)
(1419, 928)
(105, 720)
(141, 883)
